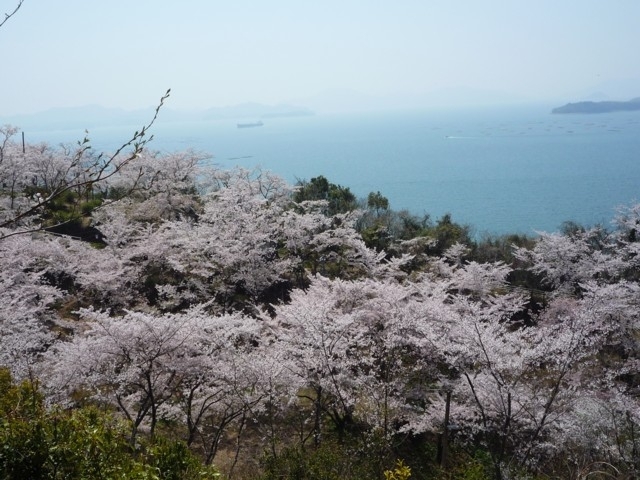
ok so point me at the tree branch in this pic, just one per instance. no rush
(7, 16)
(100, 171)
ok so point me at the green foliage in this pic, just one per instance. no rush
(499, 248)
(472, 469)
(375, 224)
(62, 208)
(339, 198)
(492, 249)
(399, 472)
(89, 206)
(411, 226)
(174, 461)
(446, 233)
(84, 443)
(376, 236)
(381, 227)
(377, 202)
(329, 461)
(461, 465)
(357, 459)
(67, 207)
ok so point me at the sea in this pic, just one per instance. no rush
(499, 170)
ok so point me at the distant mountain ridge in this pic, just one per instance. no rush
(599, 107)
(92, 116)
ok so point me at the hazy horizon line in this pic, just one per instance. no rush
(338, 99)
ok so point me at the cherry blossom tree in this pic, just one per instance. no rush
(127, 361)
(160, 185)
(317, 342)
(248, 241)
(232, 247)
(219, 383)
(192, 368)
(70, 174)
(362, 350)
(26, 298)
(517, 386)
(564, 261)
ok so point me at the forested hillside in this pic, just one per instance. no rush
(204, 316)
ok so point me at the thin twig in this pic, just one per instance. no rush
(7, 16)
(104, 170)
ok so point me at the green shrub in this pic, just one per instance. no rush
(85, 443)
(327, 462)
(399, 472)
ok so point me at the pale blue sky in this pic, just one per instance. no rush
(123, 53)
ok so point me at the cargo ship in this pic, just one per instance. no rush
(250, 125)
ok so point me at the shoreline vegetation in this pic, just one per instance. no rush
(164, 318)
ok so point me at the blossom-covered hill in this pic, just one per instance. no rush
(251, 322)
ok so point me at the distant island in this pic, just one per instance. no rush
(599, 107)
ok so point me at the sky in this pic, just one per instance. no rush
(126, 54)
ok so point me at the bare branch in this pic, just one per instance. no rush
(7, 16)
(99, 171)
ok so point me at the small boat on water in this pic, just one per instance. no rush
(249, 125)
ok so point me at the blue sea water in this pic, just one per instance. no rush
(500, 170)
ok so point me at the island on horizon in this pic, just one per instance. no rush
(599, 107)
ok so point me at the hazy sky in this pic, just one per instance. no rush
(124, 53)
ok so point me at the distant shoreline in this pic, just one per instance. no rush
(599, 107)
